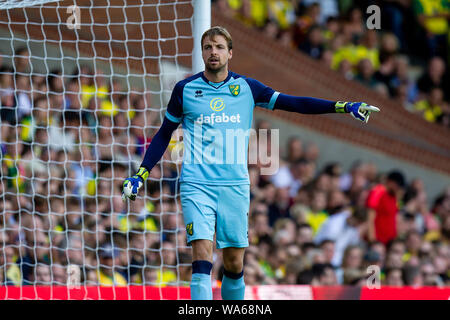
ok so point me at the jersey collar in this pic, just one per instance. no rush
(230, 74)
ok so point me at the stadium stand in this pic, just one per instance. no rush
(310, 226)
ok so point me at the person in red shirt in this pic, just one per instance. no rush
(382, 204)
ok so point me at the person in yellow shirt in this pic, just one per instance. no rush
(10, 271)
(39, 118)
(108, 107)
(167, 274)
(106, 275)
(331, 29)
(368, 49)
(432, 106)
(433, 16)
(250, 12)
(13, 273)
(13, 165)
(317, 215)
(283, 12)
(95, 88)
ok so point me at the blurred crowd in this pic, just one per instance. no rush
(67, 143)
(403, 53)
(69, 140)
(325, 226)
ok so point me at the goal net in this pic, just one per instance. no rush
(83, 87)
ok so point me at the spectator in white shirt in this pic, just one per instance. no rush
(344, 228)
(291, 176)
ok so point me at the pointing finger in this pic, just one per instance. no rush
(370, 108)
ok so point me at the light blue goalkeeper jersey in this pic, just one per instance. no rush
(216, 119)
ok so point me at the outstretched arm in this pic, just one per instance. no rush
(307, 105)
(154, 152)
(304, 105)
(266, 97)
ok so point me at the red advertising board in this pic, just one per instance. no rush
(94, 293)
(277, 292)
(406, 293)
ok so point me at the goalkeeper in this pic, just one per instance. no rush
(215, 194)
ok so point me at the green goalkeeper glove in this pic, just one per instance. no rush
(132, 184)
(358, 110)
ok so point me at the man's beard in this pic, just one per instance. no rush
(215, 70)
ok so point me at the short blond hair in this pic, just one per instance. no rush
(218, 31)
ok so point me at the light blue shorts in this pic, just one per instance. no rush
(209, 209)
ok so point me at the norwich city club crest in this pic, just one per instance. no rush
(190, 229)
(234, 89)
